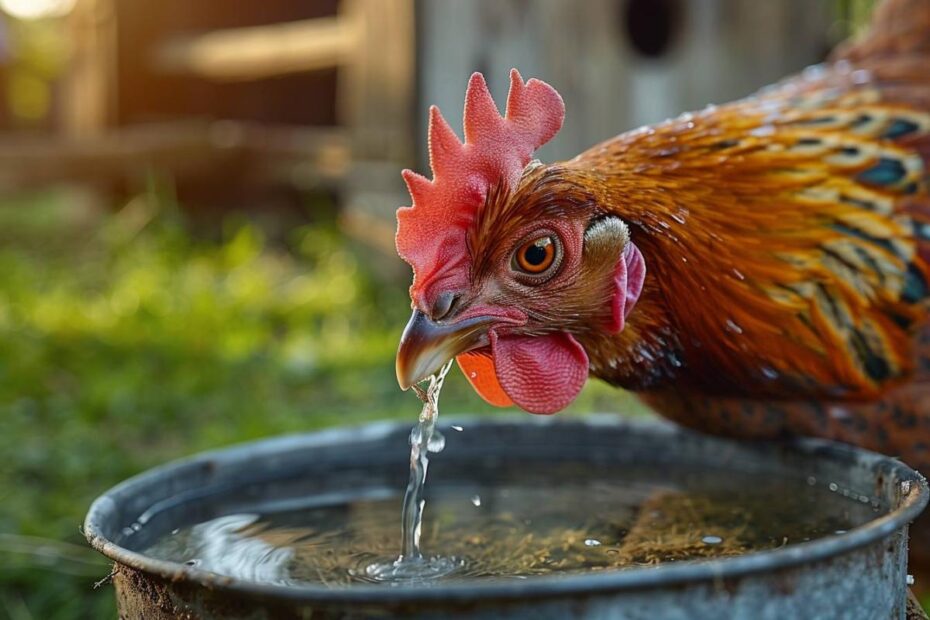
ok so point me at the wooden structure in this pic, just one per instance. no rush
(715, 51)
(333, 94)
(315, 95)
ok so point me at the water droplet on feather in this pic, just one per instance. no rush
(769, 373)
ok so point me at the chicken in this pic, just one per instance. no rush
(756, 269)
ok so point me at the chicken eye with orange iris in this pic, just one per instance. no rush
(537, 256)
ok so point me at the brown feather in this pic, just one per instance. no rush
(772, 210)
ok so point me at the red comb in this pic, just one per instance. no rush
(431, 233)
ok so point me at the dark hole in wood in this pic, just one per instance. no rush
(651, 25)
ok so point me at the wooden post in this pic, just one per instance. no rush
(376, 103)
(377, 86)
(89, 88)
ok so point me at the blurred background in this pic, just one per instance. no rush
(196, 214)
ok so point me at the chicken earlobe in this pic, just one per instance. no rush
(603, 240)
(478, 368)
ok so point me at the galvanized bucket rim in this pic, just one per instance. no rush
(631, 579)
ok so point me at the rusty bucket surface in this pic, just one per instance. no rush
(861, 574)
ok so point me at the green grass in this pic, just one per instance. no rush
(126, 341)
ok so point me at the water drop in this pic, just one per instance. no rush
(764, 130)
(811, 480)
(733, 327)
(839, 413)
(813, 72)
(769, 373)
(711, 540)
(473, 374)
(436, 443)
(860, 76)
(833, 487)
(476, 500)
(456, 427)
(839, 532)
(591, 542)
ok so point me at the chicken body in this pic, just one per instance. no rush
(756, 269)
(787, 238)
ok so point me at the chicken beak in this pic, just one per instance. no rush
(426, 345)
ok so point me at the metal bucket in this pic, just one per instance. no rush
(857, 575)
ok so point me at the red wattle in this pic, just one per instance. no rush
(541, 374)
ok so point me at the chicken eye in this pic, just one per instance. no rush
(536, 256)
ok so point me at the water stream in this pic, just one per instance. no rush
(412, 565)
